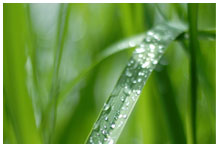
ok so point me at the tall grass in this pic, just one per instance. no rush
(121, 102)
(61, 62)
(193, 46)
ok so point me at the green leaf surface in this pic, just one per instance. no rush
(124, 96)
(193, 48)
(128, 43)
(19, 104)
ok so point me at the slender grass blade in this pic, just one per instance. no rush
(124, 96)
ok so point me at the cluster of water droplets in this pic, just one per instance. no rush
(124, 96)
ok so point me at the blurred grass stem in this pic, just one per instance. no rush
(193, 46)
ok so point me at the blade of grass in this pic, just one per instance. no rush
(203, 76)
(78, 134)
(16, 94)
(8, 130)
(127, 19)
(169, 106)
(125, 44)
(120, 104)
(49, 118)
(31, 45)
(139, 17)
(193, 46)
(202, 35)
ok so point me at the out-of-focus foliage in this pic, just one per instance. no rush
(34, 35)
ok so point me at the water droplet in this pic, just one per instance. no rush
(122, 99)
(150, 33)
(106, 118)
(95, 126)
(113, 126)
(104, 126)
(131, 44)
(125, 116)
(110, 141)
(148, 39)
(120, 124)
(160, 49)
(145, 64)
(120, 116)
(139, 80)
(140, 50)
(103, 132)
(134, 82)
(152, 47)
(155, 61)
(140, 55)
(106, 107)
(91, 140)
(140, 73)
(123, 108)
(127, 103)
(151, 55)
(128, 73)
(127, 91)
(138, 92)
(142, 45)
(133, 98)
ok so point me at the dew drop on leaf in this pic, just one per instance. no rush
(145, 64)
(106, 107)
(131, 44)
(155, 61)
(140, 50)
(152, 47)
(113, 126)
(124, 116)
(138, 91)
(103, 132)
(128, 73)
(110, 141)
(140, 55)
(139, 80)
(151, 55)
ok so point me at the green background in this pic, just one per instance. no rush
(31, 37)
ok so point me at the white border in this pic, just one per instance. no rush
(109, 1)
(95, 1)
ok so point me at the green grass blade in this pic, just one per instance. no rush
(49, 118)
(122, 45)
(126, 19)
(202, 35)
(15, 89)
(193, 46)
(124, 96)
(170, 110)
